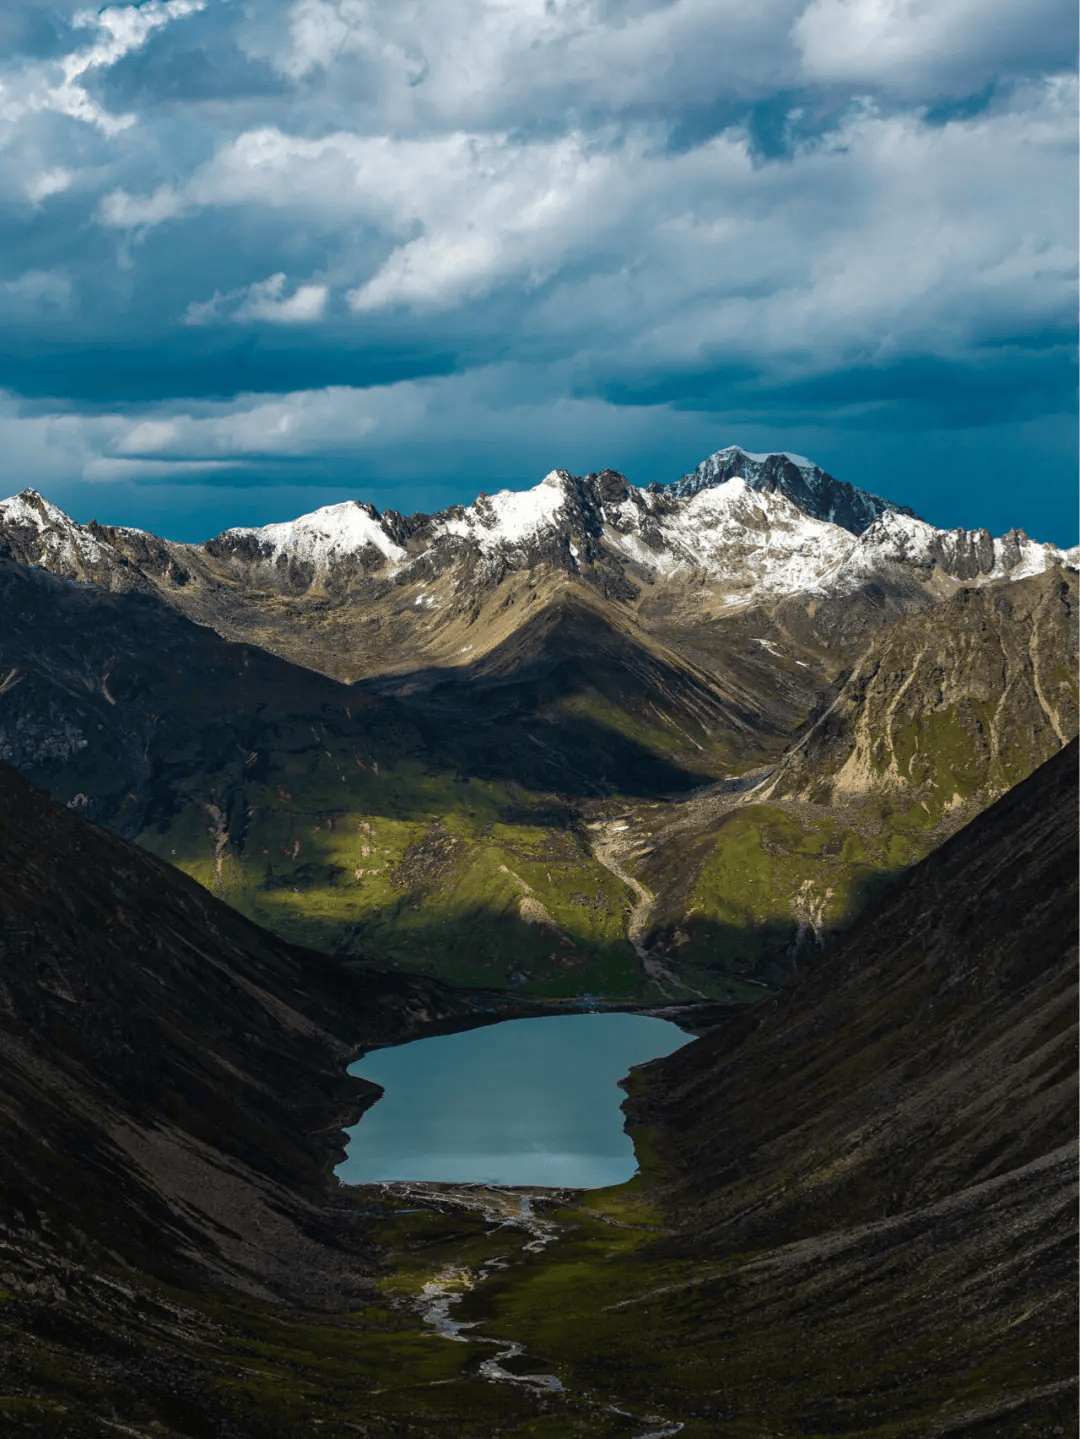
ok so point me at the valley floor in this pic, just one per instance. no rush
(559, 1313)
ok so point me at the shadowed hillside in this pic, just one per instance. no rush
(854, 1216)
(173, 1077)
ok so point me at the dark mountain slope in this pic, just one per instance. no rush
(857, 1211)
(318, 808)
(616, 710)
(173, 1077)
(933, 1049)
(873, 1175)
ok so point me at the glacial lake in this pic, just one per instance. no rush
(527, 1101)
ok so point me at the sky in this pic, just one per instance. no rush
(258, 256)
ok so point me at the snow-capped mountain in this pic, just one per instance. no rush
(802, 481)
(757, 526)
(357, 593)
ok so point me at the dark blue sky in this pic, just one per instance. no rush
(260, 257)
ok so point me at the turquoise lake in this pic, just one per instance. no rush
(528, 1101)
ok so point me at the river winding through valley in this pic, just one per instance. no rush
(503, 1208)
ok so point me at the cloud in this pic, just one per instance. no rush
(121, 29)
(39, 289)
(122, 211)
(48, 182)
(262, 300)
(845, 213)
(888, 237)
(930, 47)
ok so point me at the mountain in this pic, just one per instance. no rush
(356, 594)
(950, 705)
(856, 1215)
(861, 1192)
(173, 1076)
(947, 708)
(589, 739)
(799, 479)
(173, 1088)
(581, 737)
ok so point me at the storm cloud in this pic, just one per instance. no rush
(253, 252)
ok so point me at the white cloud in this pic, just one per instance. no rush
(890, 236)
(122, 211)
(925, 47)
(481, 64)
(48, 182)
(263, 300)
(37, 289)
(123, 28)
(110, 469)
(266, 300)
(336, 420)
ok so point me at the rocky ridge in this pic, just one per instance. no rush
(741, 533)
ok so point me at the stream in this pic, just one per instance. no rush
(440, 1294)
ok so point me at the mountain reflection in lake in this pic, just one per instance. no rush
(528, 1101)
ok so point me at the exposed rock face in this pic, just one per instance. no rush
(960, 699)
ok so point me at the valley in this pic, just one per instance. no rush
(853, 1211)
(416, 738)
(756, 751)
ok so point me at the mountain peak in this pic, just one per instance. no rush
(800, 480)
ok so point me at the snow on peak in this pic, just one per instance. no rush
(60, 542)
(801, 480)
(755, 543)
(324, 535)
(799, 461)
(510, 517)
(30, 508)
(971, 556)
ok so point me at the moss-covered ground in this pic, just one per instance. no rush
(480, 882)
(487, 883)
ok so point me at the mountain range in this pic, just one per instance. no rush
(581, 738)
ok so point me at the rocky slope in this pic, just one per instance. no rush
(796, 477)
(948, 708)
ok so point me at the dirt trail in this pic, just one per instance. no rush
(608, 850)
(617, 842)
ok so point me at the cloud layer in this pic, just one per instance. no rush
(309, 239)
